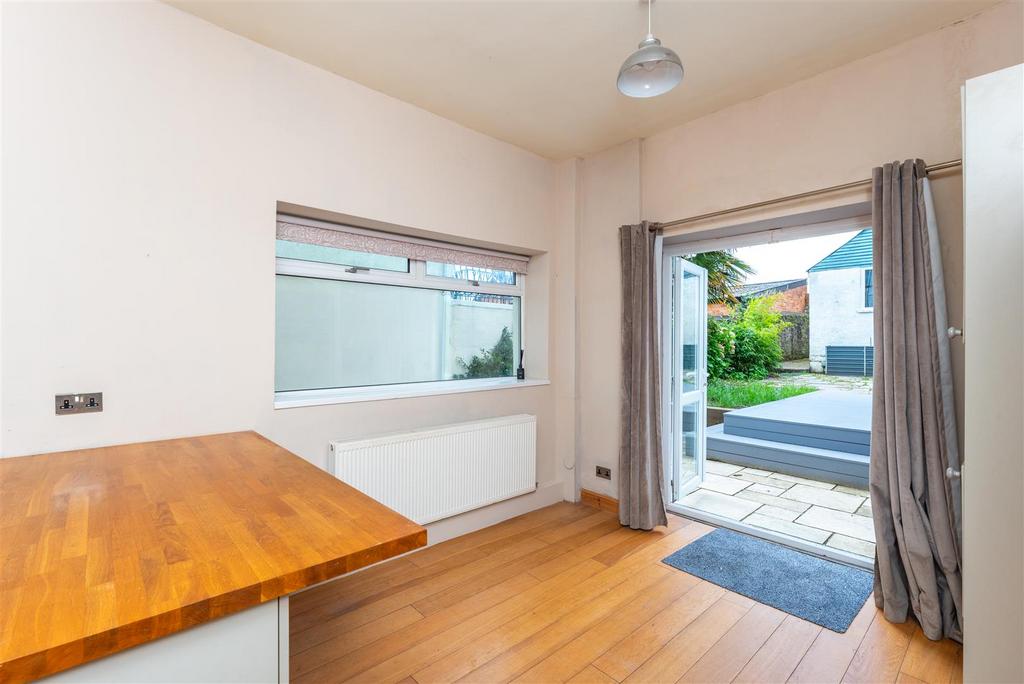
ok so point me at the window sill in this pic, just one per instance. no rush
(285, 400)
(866, 309)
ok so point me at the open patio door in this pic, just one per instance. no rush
(684, 371)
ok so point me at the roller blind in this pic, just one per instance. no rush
(374, 242)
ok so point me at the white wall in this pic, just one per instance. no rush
(144, 155)
(564, 319)
(837, 313)
(609, 198)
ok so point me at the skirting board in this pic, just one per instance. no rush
(547, 493)
(599, 501)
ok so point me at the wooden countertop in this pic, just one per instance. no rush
(103, 549)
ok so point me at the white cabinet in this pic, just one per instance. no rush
(250, 647)
(993, 480)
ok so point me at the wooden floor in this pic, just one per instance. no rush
(565, 594)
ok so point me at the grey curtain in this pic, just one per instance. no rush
(641, 504)
(913, 429)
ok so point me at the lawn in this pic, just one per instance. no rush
(743, 393)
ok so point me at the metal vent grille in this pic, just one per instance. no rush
(849, 360)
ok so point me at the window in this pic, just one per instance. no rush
(341, 257)
(869, 289)
(348, 318)
(471, 273)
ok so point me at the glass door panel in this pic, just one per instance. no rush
(691, 308)
(684, 319)
(689, 468)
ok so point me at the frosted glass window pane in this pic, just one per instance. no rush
(481, 275)
(343, 257)
(334, 333)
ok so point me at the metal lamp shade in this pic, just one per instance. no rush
(650, 71)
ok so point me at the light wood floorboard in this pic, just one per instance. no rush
(564, 594)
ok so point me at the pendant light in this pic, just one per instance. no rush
(652, 70)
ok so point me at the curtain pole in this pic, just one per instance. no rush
(942, 166)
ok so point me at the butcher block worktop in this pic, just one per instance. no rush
(104, 549)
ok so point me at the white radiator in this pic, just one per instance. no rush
(439, 472)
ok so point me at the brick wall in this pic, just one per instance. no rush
(790, 301)
(715, 309)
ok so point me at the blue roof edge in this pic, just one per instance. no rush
(850, 254)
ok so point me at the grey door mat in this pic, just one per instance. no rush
(824, 592)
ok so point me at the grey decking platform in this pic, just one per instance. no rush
(824, 435)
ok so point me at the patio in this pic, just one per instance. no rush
(797, 467)
(818, 512)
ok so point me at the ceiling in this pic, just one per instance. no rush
(540, 74)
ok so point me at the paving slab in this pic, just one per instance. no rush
(823, 497)
(724, 485)
(777, 512)
(765, 489)
(803, 480)
(851, 545)
(720, 467)
(760, 479)
(730, 507)
(852, 490)
(785, 527)
(778, 502)
(846, 524)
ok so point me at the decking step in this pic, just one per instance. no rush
(827, 465)
(829, 420)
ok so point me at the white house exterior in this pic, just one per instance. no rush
(841, 298)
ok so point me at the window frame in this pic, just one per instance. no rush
(416, 277)
(865, 307)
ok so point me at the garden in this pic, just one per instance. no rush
(743, 351)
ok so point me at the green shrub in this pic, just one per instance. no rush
(496, 362)
(753, 358)
(746, 346)
(721, 345)
(758, 313)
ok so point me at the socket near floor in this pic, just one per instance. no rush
(89, 402)
(603, 472)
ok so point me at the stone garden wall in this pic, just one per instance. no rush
(795, 339)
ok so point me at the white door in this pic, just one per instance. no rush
(684, 371)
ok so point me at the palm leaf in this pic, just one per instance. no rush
(725, 272)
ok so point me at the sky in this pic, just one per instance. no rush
(791, 259)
